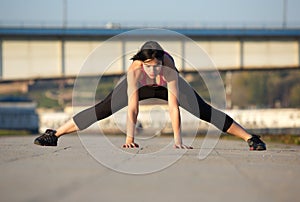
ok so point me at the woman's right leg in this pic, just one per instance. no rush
(87, 117)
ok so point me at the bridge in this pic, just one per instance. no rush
(29, 54)
(42, 53)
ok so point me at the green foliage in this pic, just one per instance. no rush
(287, 139)
(266, 89)
(284, 139)
(13, 132)
(294, 95)
(43, 101)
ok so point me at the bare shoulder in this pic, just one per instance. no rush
(135, 65)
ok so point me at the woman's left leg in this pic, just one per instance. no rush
(222, 121)
(237, 130)
(190, 100)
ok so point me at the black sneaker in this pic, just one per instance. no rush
(255, 143)
(47, 139)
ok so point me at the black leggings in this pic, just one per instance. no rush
(188, 99)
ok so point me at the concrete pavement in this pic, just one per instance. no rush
(69, 173)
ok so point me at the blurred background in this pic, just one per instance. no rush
(254, 44)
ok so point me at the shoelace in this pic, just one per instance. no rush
(46, 137)
(257, 140)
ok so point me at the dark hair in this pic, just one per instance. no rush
(150, 50)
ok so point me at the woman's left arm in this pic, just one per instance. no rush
(174, 111)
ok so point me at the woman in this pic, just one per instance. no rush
(152, 74)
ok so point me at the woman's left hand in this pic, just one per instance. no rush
(130, 145)
(182, 146)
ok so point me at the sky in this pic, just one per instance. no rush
(151, 13)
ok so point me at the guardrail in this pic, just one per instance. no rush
(155, 118)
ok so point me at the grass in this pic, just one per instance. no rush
(282, 139)
(14, 132)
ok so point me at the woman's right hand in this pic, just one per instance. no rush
(182, 146)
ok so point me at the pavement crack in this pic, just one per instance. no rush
(61, 149)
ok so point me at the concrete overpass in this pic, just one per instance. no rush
(29, 53)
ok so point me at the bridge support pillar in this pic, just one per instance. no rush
(241, 54)
(63, 63)
(1, 60)
(299, 53)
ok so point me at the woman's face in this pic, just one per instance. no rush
(152, 68)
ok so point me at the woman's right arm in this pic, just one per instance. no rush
(133, 76)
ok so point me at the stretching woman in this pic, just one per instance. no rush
(152, 74)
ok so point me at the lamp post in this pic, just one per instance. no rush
(284, 13)
(65, 14)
